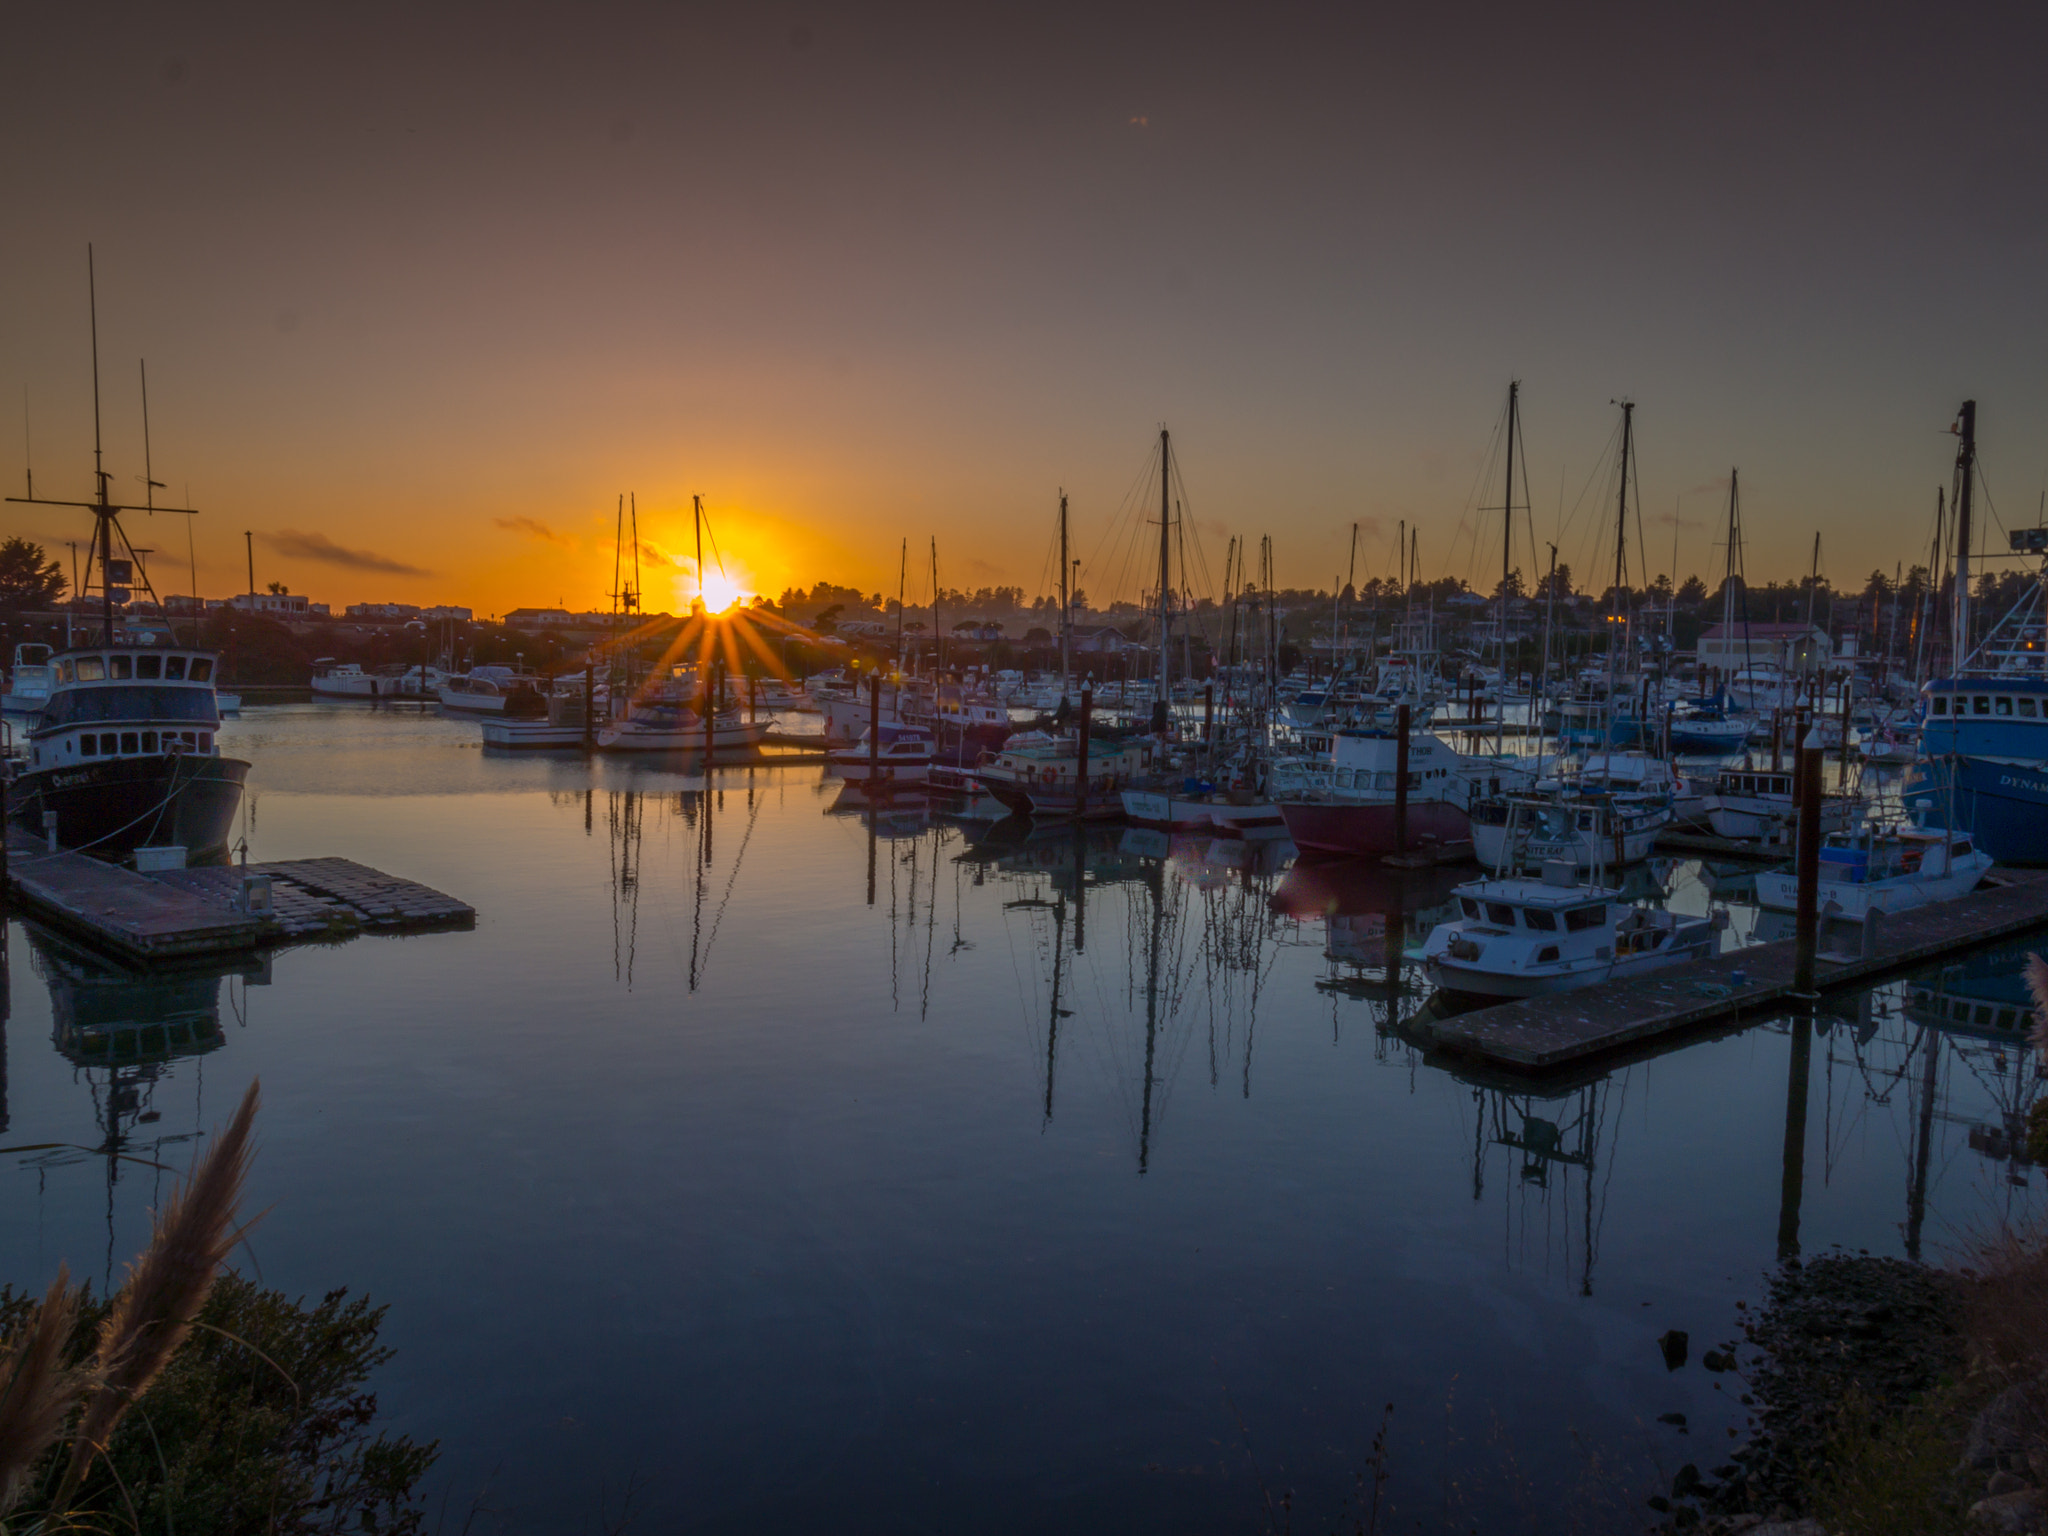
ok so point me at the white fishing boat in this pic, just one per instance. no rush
(678, 728)
(903, 755)
(1755, 805)
(1588, 830)
(494, 690)
(1889, 870)
(346, 680)
(1523, 937)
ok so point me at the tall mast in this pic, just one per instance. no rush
(1165, 572)
(902, 575)
(1628, 418)
(1066, 608)
(1813, 581)
(1351, 591)
(938, 635)
(1966, 464)
(1507, 553)
(697, 524)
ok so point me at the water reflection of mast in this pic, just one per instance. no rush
(623, 823)
(1569, 1141)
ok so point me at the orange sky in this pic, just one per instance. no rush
(420, 299)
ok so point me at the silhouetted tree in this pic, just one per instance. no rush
(27, 579)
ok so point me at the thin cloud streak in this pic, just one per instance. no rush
(317, 546)
(534, 528)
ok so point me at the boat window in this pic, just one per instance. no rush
(91, 669)
(130, 701)
(119, 666)
(2003, 704)
(202, 668)
(1547, 953)
(109, 744)
(1941, 703)
(148, 739)
(1959, 850)
(1500, 914)
(149, 666)
(205, 741)
(1980, 705)
(1579, 919)
(1983, 1013)
(190, 739)
(174, 667)
(87, 747)
(1537, 917)
(2027, 706)
(1471, 907)
(129, 743)
(64, 672)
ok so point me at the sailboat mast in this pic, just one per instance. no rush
(1628, 418)
(902, 575)
(1507, 554)
(1966, 465)
(938, 635)
(697, 525)
(1165, 570)
(1066, 618)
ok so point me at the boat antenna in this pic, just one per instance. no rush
(697, 524)
(103, 509)
(27, 443)
(902, 578)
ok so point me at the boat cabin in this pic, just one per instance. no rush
(111, 702)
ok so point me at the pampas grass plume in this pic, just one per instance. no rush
(38, 1391)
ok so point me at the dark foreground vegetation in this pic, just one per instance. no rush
(194, 1401)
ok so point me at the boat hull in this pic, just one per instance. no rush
(2001, 803)
(1368, 828)
(1777, 891)
(625, 737)
(186, 799)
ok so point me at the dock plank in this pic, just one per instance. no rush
(1545, 1033)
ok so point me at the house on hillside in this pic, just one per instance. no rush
(1100, 639)
(1788, 647)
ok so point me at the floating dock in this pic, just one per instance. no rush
(180, 913)
(1544, 1034)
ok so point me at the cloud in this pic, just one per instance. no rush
(534, 528)
(317, 546)
(1673, 520)
(661, 556)
(1718, 484)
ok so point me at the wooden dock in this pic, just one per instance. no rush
(175, 914)
(1545, 1034)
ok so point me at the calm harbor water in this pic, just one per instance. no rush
(814, 1177)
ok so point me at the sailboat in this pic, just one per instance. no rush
(662, 719)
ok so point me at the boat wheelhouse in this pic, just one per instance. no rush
(495, 690)
(1756, 805)
(1044, 777)
(1526, 937)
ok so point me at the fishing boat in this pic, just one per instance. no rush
(679, 728)
(1588, 830)
(346, 680)
(1888, 870)
(893, 753)
(1347, 804)
(1523, 937)
(125, 752)
(28, 681)
(1755, 805)
(494, 690)
(1043, 777)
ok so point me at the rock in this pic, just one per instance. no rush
(1674, 1343)
(2014, 1512)
(2037, 1463)
(1788, 1528)
(1672, 1418)
(1686, 1482)
(1718, 1360)
(2005, 1482)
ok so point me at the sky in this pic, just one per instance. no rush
(422, 290)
